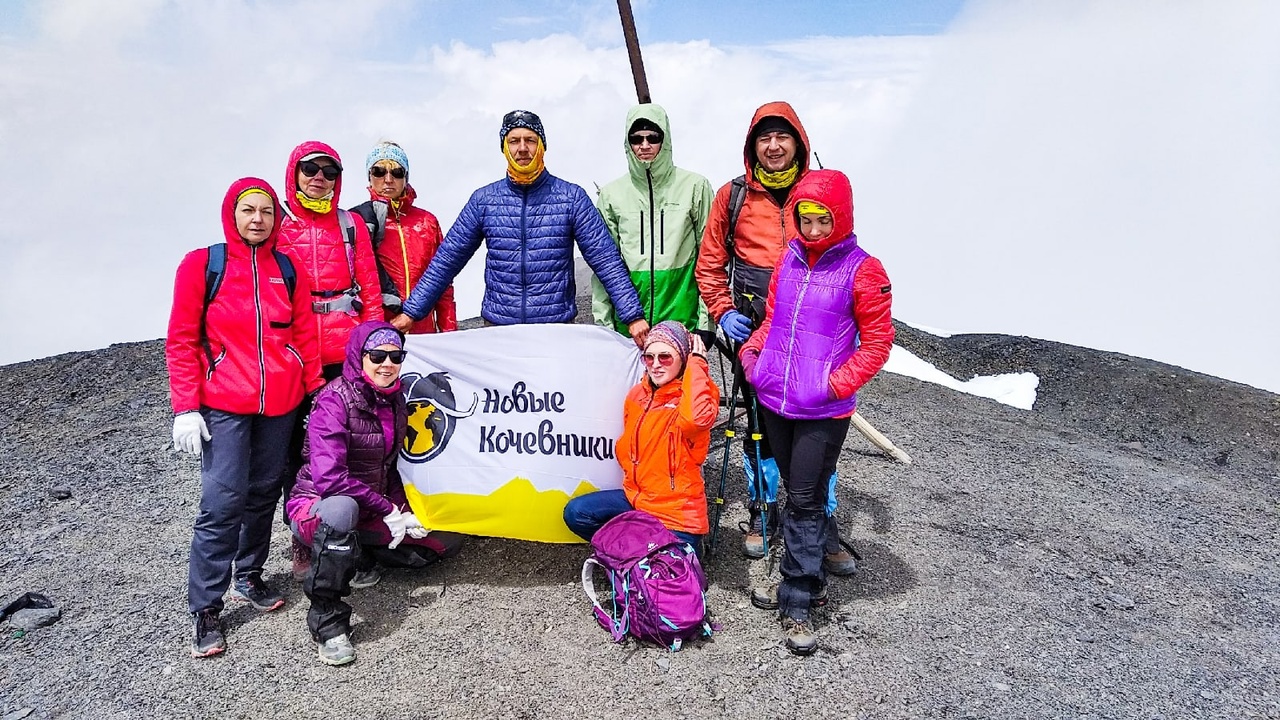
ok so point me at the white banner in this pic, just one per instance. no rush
(507, 423)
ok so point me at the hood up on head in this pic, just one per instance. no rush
(661, 165)
(353, 366)
(831, 189)
(229, 230)
(782, 110)
(291, 176)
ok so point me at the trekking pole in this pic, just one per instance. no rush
(761, 485)
(729, 434)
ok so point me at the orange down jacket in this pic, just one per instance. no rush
(763, 228)
(315, 242)
(665, 435)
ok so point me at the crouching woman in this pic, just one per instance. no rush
(667, 419)
(348, 503)
(827, 331)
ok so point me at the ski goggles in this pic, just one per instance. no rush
(377, 357)
(379, 171)
(641, 138)
(664, 359)
(310, 168)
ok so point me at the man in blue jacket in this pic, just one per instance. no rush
(529, 220)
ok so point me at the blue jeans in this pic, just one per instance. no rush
(588, 513)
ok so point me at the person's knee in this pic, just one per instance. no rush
(339, 512)
(576, 518)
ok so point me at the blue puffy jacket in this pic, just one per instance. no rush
(528, 276)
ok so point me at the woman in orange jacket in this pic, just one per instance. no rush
(666, 430)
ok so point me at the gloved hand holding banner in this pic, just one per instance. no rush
(507, 423)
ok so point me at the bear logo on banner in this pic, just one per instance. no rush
(433, 415)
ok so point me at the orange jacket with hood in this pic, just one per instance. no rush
(409, 241)
(665, 436)
(316, 243)
(763, 228)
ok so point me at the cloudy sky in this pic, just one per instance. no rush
(1099, 173)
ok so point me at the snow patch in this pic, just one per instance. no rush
(1013, 389)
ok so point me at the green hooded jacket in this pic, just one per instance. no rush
(656, 213)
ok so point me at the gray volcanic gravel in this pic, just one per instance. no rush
(1110, 554)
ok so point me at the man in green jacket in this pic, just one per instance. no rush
(656, 213)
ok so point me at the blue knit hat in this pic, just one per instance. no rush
(521, 119)
(386, 151)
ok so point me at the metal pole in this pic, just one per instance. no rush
(633, 50)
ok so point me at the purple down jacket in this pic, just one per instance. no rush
(353, 439)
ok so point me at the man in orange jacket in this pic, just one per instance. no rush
(745, 234)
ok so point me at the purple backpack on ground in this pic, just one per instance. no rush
(658, 583)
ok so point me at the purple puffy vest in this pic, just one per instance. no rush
(813, 331)
(657, 581)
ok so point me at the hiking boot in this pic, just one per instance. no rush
(753, 529)
(207, 639)
(840, 563)
(767, 598)
(301, 556)
(337, 650)
(366, 578)
(799, 637)
(254, 589)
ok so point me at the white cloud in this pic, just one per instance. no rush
(1102, 174)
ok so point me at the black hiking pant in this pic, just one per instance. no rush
(806, 451)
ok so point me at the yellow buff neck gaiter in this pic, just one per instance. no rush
(321, 206)
(777, 180)
(527, 174)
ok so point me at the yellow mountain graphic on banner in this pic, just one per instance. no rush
(517, 510)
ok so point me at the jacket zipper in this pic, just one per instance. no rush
(635, 446)
(257, 313)
(524, 261)
(648, 176)
(795, 316)
(404, 253)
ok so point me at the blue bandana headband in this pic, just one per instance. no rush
(387, 151)
(521, 119)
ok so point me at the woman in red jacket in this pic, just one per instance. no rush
(666, 430)
(405, 237)
(333, 251)
(239, 364)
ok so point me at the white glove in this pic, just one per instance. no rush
(415, 529)
(188, 430)
(397, 524)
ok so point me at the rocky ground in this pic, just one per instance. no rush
(1110, 554)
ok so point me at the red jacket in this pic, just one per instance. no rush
(316, 242)
(665, 436)
(263, 347)
(763, 228)
(408, 244)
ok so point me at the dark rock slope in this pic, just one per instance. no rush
(1110, 554)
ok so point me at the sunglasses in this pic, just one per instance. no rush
(642, 138)
(309, 169)
(665, 359)
(377, 357)
(379, 171)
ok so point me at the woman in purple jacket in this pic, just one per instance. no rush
(828, 329)
(348, 504)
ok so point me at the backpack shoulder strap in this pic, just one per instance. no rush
(737, 197)
(349, 239)
(214, 267)
(380, 226)
(287, 272)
